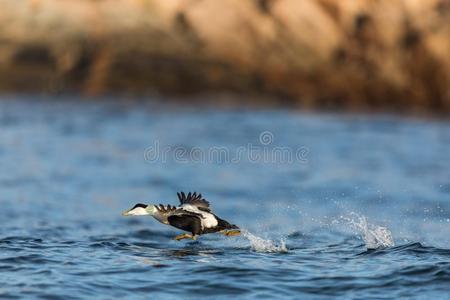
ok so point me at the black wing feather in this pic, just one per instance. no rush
(193, 199)
(165, 209)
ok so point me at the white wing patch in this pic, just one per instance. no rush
(208, 220)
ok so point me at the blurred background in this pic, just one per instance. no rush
(320, 127)
(352, 55)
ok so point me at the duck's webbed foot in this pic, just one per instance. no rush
(185, 236)
(231, 232)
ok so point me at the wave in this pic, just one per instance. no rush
(374, 236)
(259, 244)
(413, 248)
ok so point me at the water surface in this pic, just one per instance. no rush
(363, 213)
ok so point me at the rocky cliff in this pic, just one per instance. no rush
(370, 54)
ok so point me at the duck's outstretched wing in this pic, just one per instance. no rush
(165, 209)
(194, 199)
(163, 212)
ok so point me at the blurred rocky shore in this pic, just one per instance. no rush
(369, 54)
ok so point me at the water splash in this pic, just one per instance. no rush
(373, 236)
(259, 244)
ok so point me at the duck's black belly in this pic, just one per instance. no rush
(192, 223)
(187, 223)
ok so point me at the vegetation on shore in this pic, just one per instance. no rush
(368, 54)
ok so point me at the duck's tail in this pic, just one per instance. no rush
(224, 225)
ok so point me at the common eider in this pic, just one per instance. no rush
(192, 215)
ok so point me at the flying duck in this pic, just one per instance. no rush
(192, 215)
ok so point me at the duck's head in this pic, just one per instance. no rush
(140, 210)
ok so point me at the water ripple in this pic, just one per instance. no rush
(364, 217)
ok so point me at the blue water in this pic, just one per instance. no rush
(362, 213)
